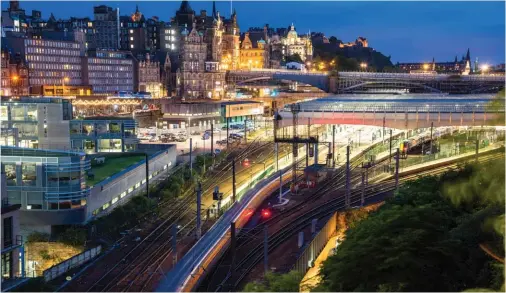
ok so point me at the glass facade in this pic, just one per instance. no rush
(93, 136)
(45, 180)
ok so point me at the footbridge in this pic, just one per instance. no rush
(353, 82)
(409, 112)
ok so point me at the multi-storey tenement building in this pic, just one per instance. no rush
(254, 53)
(14, 75)
(109, 72)
(169, 37)
(199, 75)
(231, 43)
(49, 62)
(149, 77)
(107, 28)
(133, 33)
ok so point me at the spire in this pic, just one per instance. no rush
(214, 10)
(137, 8)
(468, 56)
(456, 59)
(185, 8)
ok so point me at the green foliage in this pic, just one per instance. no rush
(426, 238)
(45, 254)
(74, 236)
(294, 58)
(276, 283)
(38, 237)
(125, 216)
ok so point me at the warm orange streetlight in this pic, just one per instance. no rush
(15, 78)
(426, 67)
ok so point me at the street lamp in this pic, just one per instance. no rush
(363, 66)
(484, 68)
(426, 67)
(15, 79)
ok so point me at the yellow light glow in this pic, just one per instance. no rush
(15, 78)
(485, 67)
(363, 65)
(425, 66)
(66, 79)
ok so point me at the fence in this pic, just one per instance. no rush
(313, 249)
(71, 263)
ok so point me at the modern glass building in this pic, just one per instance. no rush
(46, 123)
(45, 180)
(93, 136)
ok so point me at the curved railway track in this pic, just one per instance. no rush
(254, 254)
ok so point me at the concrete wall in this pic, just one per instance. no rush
(124, 185)
(58, 130)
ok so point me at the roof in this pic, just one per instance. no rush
(315, 168)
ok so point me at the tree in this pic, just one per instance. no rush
(276, 283)
(422, 240)
(333, 40)
(294, 58)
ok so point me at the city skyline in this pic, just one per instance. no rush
(407, 31)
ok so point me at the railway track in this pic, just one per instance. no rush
(153, 248)
(255, 252)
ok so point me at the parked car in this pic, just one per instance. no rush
(195, 133)
(222, 142)
(206, 136)
(214, 130)
(181, 139)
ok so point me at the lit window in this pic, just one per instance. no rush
(131, 31)
(105, 206)
(114, 200)
(132, 46)
(131, 38)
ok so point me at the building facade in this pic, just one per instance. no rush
(49, 62)
(46, 123)
(110, 72)
(14, 75)
(254, 54)
(200, 75)
(231, 44)
(462, 67)
(107, 28)
(149, 77)
(292, 44)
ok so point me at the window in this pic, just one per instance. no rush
(105, 206)
(7, 232)
(29, 175)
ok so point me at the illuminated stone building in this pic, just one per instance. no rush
(199, 75)
(360, 42)
(292, 43)
(231, 43)
(254, 53)
(149, 77)
(456, 67)
(14, 75)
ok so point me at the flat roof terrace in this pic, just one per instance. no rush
(113, 164)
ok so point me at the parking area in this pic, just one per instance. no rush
(201, 137)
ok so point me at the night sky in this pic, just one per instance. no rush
(408, 31)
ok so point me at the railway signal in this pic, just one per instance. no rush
(266, 213)
(246, 163)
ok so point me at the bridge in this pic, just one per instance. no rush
(401, 112)
(352, 82)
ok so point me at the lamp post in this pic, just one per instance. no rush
(363, 66)
(484, 69)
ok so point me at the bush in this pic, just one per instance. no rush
(73, 236)
(38, 237)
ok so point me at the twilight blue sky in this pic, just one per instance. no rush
(408, 31)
